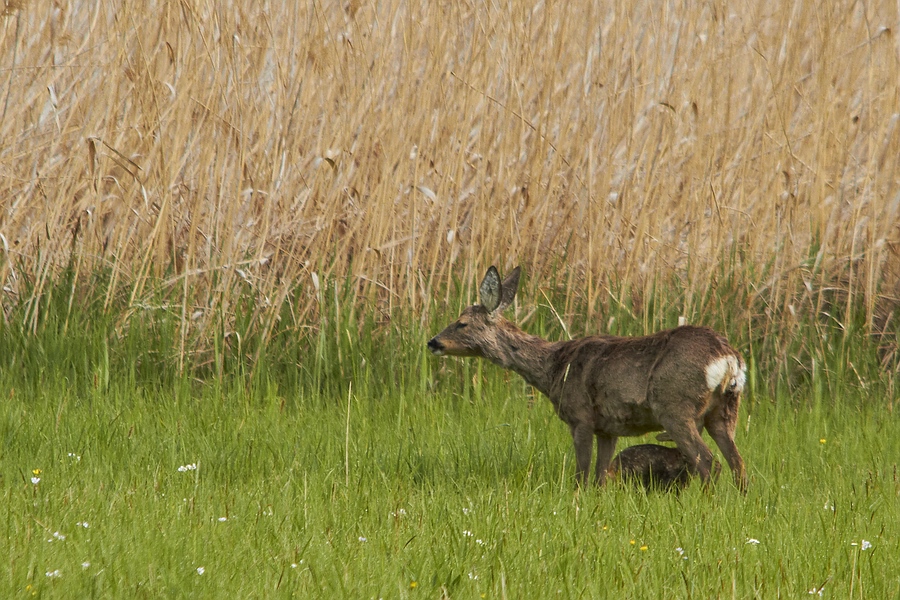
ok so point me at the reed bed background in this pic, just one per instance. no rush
(232, 166)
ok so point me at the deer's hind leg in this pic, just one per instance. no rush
(696, 453)
(721, 423)
(687, 437)
(678, 412)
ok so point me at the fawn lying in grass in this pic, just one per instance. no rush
(680, 380)
(654, 467)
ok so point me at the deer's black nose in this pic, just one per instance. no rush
(434, 345)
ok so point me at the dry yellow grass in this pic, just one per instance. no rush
(205, 147)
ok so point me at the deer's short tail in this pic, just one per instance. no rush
(727, 373)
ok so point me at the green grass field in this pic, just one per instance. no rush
(412, 477)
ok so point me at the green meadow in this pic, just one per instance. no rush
(395, 474)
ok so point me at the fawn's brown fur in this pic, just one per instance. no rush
(655, 467)
(680, 380)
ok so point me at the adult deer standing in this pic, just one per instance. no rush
(680, 380)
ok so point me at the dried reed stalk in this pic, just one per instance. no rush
(259, 148)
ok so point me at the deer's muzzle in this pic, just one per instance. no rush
(435, 346)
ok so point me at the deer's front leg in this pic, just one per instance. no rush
(606, 447)
(583, 437)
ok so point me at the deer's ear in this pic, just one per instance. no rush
(508, 288)
(489, 291)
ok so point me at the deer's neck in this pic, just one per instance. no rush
(527, 355)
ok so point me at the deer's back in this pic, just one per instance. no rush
(610, 380)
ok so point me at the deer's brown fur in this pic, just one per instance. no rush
(681, 380)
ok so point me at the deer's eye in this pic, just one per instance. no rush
(461, 325)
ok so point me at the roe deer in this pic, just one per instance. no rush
(654, 467)
(680, 381)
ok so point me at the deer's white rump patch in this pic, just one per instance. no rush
(726, 373)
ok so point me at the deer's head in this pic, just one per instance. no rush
(476, 327)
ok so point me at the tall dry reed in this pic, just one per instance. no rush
(200, 151)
